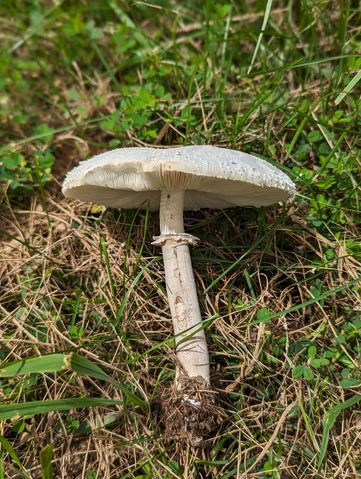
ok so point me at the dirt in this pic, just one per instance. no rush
(190, 414)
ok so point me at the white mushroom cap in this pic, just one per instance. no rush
(211, 177)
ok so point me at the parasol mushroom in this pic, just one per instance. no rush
(173, 180)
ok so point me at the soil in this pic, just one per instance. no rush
(190, 413)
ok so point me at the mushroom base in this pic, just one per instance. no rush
(189, 414)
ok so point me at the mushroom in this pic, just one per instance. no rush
(173, 180)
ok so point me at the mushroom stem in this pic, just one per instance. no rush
(191, 346)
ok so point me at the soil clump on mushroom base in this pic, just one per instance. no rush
(190, 414)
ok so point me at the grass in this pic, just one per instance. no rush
(85, 331)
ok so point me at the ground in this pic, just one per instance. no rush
(83, 305)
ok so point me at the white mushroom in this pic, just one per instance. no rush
(173, 180)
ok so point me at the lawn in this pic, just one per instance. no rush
(86, 338)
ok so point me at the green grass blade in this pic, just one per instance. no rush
(6, 446)
(104, 252)
(348, 87)
(29, 409)
(52, 363)
(46, 455)
(133, 284)
(106, 65)
(260, 36)
(309, 429)
(42, 364)
(329, 420)
(82, 365)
